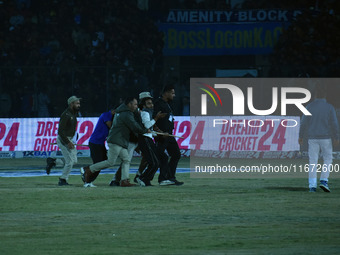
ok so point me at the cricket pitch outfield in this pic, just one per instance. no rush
(204, 216)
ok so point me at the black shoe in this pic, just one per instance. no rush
(114, 183)
(148, 183)
(62, 182)
(178, 183)
(50, 163)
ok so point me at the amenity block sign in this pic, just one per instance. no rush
(230, 16)
(220, 39)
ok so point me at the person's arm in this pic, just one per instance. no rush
(108, 123)
(334, 126)
(108, 119)
(133, 125)
(157, 129)
(303, 125)
(146, 118)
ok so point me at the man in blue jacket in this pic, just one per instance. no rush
(97, 140)
(321, 128)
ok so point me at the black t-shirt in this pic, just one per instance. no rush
(165, 124)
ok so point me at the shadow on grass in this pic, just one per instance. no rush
(299, 189)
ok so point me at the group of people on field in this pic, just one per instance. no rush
(145, 126)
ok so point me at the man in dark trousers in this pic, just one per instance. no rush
(145, 142)
(166, 124)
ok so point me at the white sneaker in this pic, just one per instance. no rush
(82, 174)
(166, 182)
(89, 185)
(140, 182)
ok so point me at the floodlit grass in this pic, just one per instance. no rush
(204, 216)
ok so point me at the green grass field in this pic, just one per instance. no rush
(204, 216)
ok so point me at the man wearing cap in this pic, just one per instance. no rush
(66, 134)
(145, 142)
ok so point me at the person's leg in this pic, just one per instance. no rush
(148, 149)
(161, 145)
(88, 171)
(142, 165)
(118, 176)
(313, 154)
(60, 162)
(112, 155)
(70, 156)
(131, 148)
(327, 155)
(54, 162)
(98, 153)
(125, 157)
(50, 162)
(175, 156)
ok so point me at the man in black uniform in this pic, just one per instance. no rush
(166, 124)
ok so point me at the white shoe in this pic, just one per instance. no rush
(166, 182)
(82, 174)
(89, 185)
(140, 182)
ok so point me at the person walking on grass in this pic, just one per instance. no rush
(167, 175)
(320, 128)
(67, 137)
